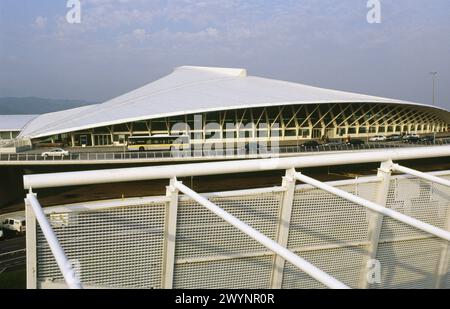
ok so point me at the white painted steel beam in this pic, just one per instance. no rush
(284, 223)
(288, 255)
(31, 252)
(376, 220)
(170, 234)
(227, 167)
(376, 207)
(63, 263)
(406, 170)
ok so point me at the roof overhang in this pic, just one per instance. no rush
(192, 90)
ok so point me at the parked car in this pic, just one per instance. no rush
(355, 142)
(411, 135)
(333, 144)
(427, 139)
(1, 234)
(377, 138)
(411, 138)
(56, 152)
(394, 138)
(14, 225)
(310, 144)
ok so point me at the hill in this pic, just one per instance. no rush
(35, 105)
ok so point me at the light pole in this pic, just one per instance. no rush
(434, 86)
(434, 100)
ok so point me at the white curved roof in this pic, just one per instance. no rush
(190, 90)
(14, 122)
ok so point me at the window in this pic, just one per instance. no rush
(5, 135)
(316, 133)
(382, 129)
(159, 125)
(262, 133)
(340, 131)
(140, 126)
(290, 133)
(121, 128)
(101, 130)
(196, 135)
(305, 133)
(213, 134)
(245, 134)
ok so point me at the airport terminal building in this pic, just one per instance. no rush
(214, 105)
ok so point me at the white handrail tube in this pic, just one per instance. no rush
(375, 207)
(288, 255)
(64, 265)
(228, 167)
(406, 170)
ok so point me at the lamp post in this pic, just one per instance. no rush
(434, 86)
(433, 74)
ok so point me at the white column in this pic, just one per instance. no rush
(31, 247)
(283, 227)
(170, 232)
(376, 220)
(442, 267)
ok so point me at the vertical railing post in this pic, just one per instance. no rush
(444, 259)
(31, 254)
(170, 233)
(376, 220)
(283, 227)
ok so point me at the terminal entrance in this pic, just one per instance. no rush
(102, 140)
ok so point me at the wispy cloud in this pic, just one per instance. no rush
(40, 22)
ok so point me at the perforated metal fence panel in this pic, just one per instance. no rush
(123, 246)
(329, 232)
(117, 247)
(410, 257)
(212, 253)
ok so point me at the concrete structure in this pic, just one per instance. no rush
(215, 105)
(11, 125)
(10, 128)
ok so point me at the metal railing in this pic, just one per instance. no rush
(214, 168)
(288, 255)
(378, 208)
(262, 152)
(227, 167)
(61, 259)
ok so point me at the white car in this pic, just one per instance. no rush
(413, 135)
(57, 152)
(14, 224)
(377, 138)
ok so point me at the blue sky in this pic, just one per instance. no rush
(120, 45)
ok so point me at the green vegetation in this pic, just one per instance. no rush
(15, 279)
(33, 105)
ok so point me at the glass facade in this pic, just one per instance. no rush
(284, 123)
